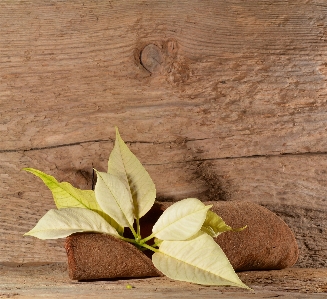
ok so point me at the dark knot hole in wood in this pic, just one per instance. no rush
(151, 58)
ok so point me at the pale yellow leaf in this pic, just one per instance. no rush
(64, 222)
(124, 164)
(67, 196)
(114, 198)
(181, 220)
(199, 260)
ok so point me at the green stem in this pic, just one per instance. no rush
(138, 228)
(147, 238)
(149, 247)
(136, 236)
(128, 240)
(140, 244)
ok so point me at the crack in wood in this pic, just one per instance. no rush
(239, 157)
(94, 141)
(52, 146)
(168, 142)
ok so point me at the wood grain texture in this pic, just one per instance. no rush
(50, 280)
(230, 104)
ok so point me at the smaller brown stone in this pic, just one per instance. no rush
(96, 256)
(266, 244)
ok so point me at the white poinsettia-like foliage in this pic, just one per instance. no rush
(183, 247)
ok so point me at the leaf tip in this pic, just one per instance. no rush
(244, 286)
(239, 229)
(29, 233)
(117, 132)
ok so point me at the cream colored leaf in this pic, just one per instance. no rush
(181, 220)
(64, 222)
(214, 225)
(114, 198)
(67, 196)
(199, 260)
(124, 164)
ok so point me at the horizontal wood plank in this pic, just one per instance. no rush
(249, 77)
(287, 185)
(39, 280)
(227, 102)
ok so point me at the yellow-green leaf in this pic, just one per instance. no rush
(157, 242)
(67, 196)
(114, 198)
(64, 222)
(198, 260)
(214, 225)
(181, 220)
(124, 164)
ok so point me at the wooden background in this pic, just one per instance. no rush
(220, 100)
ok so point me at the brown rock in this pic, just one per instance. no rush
(95, 256)
(267, 243)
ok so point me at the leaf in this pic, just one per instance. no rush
(124, 164)
(157, 242)
(198, 260)
(67, 196)
(181, 220)
(64, 222)
(214, 225)
(114, 198)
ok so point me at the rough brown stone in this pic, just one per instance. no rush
(95, 256)
(266, 243)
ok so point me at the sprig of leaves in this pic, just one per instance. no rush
(183, 247)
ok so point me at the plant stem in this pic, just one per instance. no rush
(136, 236)
(139, 244)
(147, 238)
(149, 247)
(138, 229)
(128, 240)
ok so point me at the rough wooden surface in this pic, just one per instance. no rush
(227, 102)
(51, 280)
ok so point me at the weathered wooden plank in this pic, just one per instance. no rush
(236, 79)
(251, 76)
(51, 280)
(294, 186)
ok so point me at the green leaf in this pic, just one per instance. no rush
(67, 196)
(181, 220)
(124, 164)
(114, 198)
(157, 242)
(64, 222)
(214, 225)
(198, 260)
